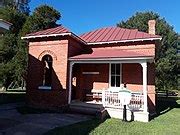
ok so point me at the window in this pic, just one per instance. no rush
(115, 75)
(47, 67)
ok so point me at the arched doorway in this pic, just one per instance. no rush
(47, 67)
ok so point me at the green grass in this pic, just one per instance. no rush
(11, 97)
(167, 123)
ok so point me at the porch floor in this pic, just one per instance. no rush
(88, 104)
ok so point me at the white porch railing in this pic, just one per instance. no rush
(110, 99)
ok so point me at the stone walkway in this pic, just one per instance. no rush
(14, 123)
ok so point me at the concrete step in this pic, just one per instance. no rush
(89, 109)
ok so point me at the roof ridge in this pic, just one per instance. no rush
(97, 29)
(119, 34)
(110, 27)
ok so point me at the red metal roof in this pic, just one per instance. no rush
(114, 53)
(56, 30)
(115, 34)
(103, 35)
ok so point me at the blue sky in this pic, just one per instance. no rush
(85, 15)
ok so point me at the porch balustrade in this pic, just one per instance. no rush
(110, 100)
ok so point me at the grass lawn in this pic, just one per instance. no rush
(11, 97)
(167, 123)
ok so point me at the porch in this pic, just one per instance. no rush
(108, 100)
(112, 106)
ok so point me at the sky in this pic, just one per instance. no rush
(81, 16)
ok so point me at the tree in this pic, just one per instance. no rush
(19, 5)
(9, 44)
(13, 50)
(43, 17)
(166, 60)
(15, 17)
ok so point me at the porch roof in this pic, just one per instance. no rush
(114, 53)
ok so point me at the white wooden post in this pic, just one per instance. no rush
(70, 81)
(103, 97)
(144, 66)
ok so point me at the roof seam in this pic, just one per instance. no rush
(99, 35)
(104, 34)
(111, 34)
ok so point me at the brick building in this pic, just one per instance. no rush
(64, 67)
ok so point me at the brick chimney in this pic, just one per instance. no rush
(152, 27)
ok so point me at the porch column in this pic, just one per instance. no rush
(70, 81)
(144, 66)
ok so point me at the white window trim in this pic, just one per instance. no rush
(110, 74)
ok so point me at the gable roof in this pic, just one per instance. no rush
(53, 32)
(116, 34)
(99, 36)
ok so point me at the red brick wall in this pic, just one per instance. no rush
(87, 82)
(143, 47)
(76, 48)
(131, 74)
(58, 49)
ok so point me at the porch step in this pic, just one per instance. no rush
(89, 109)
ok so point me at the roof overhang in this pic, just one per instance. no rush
(113, 60)
(124, 41)
(56, 35)
(49, 35)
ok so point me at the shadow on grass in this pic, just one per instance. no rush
(165, 104)
(76, 129)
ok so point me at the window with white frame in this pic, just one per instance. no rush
(115, 75)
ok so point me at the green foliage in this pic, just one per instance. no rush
(9, 46)
(15, 4)
(166, 58)
(13, 50)
(139, 21)
(43, 17)
(13, 16)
